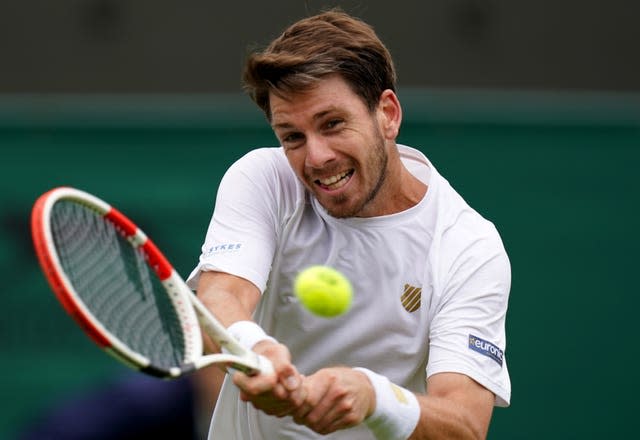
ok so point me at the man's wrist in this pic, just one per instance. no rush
(248, 333)
(396, 411)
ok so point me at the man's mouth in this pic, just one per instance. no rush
(336, 181)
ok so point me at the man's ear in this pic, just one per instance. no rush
(389, 114)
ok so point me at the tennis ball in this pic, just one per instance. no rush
(323, 291)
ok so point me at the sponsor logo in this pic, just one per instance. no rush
(222, 248)
(399, 393)
(486, 348)
(411, 298)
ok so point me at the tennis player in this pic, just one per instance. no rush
(420, 354)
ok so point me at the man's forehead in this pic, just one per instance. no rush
(313, 104)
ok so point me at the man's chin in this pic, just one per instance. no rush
(339, 210)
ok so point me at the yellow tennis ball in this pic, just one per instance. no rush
(323, 291)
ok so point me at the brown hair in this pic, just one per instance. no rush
(314, 47)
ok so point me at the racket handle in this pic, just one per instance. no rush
(252, 363)
(262, 366)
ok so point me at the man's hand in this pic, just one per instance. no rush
(336, 398)
(278, 394)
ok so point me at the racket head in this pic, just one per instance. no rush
(115, 283)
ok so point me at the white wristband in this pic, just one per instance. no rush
(397, 410)
(248, 333)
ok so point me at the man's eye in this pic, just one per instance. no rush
(292, 137)
(333, 123)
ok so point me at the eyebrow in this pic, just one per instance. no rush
(319, 115)
(283, 125)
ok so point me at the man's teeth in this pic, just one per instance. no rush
(333, 179)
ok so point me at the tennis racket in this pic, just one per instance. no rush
(122, 291)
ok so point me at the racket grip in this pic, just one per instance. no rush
(266, 367)
(251, 364)
(252, 367)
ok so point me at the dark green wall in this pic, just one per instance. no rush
(558, 178)
(168, 48)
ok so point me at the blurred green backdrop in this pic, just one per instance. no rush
(555, 173)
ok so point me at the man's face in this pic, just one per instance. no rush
(334, 145)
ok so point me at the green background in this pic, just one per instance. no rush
(556, 174)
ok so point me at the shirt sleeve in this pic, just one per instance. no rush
(467, 332)
(241, 237)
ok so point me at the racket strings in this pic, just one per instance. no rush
(116, 285)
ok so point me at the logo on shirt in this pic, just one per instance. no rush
(222, 248)
(411, 298)
(486, 348)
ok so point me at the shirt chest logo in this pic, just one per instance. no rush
(411, 298)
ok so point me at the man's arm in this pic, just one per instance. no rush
(232, 299)
(229, 297)
(454, 407)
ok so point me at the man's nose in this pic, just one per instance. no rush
(319, 151)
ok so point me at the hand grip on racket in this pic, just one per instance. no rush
(123, 292)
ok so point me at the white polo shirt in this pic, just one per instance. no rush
(431, 285)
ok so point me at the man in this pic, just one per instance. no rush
(340, 192)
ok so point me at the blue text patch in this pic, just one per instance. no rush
(486, 348)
